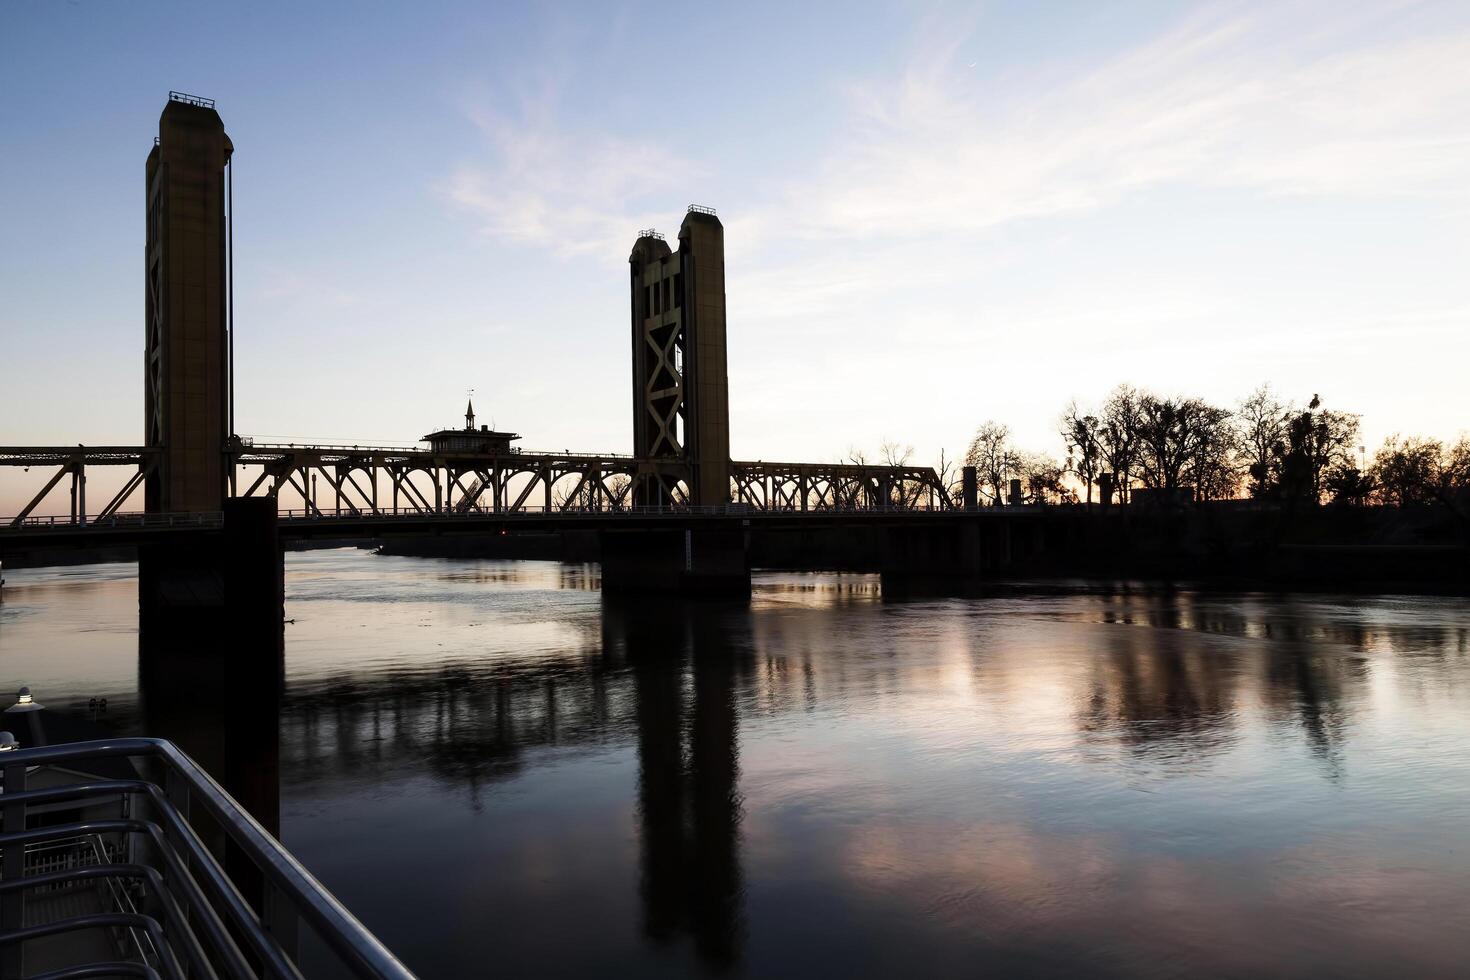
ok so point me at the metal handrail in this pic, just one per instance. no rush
(275, 442)
(255, 446)
(291, 892)
(120, 897)
(135, 519)
(479, 511)
(449, 512)
(202, 912)
(187, 99)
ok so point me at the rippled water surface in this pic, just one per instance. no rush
(503, 775)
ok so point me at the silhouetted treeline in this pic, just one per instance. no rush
(1139, 445)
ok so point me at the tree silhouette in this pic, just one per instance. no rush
(1118, 437)
(1415, 470)
(1316, 441)
(1186, 442)
(1043, 480)
(1084, 449)
(1262, 420)
(993, 457)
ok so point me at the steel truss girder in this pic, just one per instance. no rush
(462, 483)
(836, 486)
(509, 483)
(145, 470)
(73, 461)
(517, 482)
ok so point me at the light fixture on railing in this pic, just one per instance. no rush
(24, 702)
(8, 742)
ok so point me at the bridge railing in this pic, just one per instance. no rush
(186, 914)
(214, 520)
(268, 445)
(541, 511)
(211, 519)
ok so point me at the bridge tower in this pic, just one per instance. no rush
(681, 405)
(187, 355)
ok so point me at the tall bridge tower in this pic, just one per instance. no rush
(681, 404)
(187, 357)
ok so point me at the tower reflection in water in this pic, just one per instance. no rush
(688, 773)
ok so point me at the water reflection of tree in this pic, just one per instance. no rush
(1165, 692)
(1159, 694)
(1308, 688)
(1311, 673)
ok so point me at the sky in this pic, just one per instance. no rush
(935, 214)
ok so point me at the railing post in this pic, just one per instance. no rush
(12, 904)
(279, 917)
(176, 790)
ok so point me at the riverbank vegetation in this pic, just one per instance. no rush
(1138, 445)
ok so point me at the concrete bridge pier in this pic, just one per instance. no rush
(707, 562)
(953, 558)
(210, 650)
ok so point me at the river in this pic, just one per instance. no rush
(503, 776)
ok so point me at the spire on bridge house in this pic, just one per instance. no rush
(482, 441)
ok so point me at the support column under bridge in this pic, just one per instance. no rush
(713, 562)
(958, 557)
(210, 651)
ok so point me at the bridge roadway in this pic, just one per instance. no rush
(134, 529)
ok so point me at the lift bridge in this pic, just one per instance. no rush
(330, 481)
(674, 512)
(191, 460)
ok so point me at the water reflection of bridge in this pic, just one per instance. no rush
(1146, 688)
(638, 683)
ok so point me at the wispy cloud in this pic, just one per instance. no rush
(1249, 101)
(542, 183)
(1286, 99)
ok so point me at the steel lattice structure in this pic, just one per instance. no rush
(63, 461)
(809, 487)
(681, 425)
(350, 481)
(355, 480)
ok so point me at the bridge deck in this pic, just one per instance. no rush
(126, 529)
